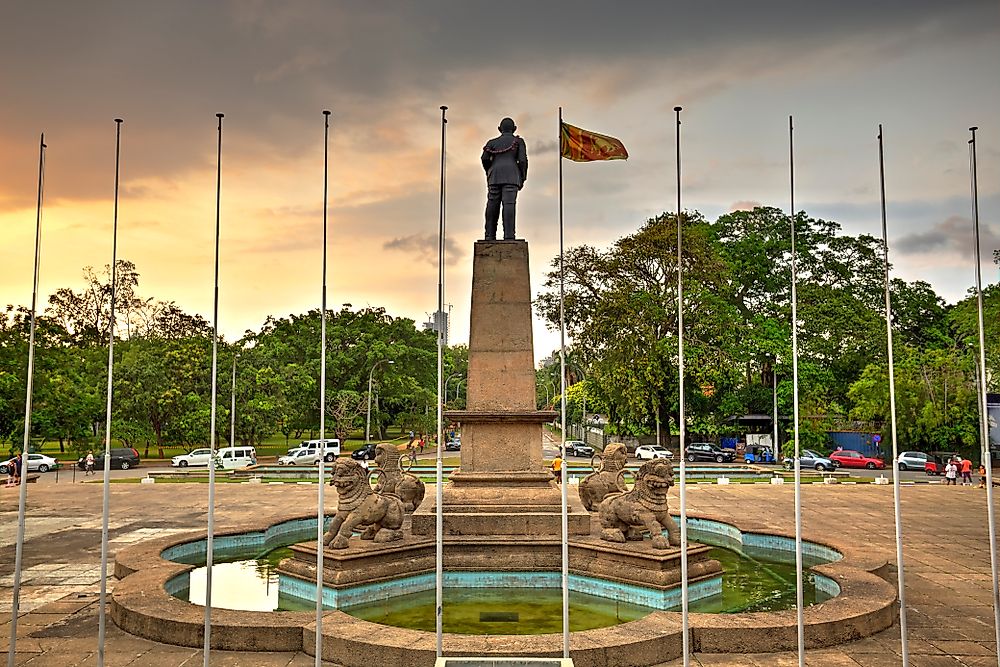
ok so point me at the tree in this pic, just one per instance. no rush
(86, 315)
(621, 312)
(936, 399)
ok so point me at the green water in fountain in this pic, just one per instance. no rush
(757, 581)
(748, 584)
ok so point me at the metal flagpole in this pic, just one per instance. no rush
(439, 515)
(105, 516)
(26, 446)
(986, 456)
(680, 417)
(320, 521)
(799, 620)
(232, 404)
(215, 361)
(901, 579)
(774, 397)
(562, 381)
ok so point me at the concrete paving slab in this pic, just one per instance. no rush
(949, 588)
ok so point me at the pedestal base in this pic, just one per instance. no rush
(526, 504)
(366, 571)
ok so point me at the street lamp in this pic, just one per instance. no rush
(447, 381)
(368, 418)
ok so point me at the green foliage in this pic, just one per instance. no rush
(621, 313)
(163, 372)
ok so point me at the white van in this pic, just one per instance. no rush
(230, 458)
(310, 452)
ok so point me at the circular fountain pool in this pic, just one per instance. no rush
(754, 579)
(155, 582)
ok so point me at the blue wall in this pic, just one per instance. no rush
(859, 442)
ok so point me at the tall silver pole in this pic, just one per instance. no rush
(215, 377)
(897, 516)
(232, 405)
(774, 407)
(563, 470)
(26, 446)
(984, 434)
(320, 507)
(106, 508)
(799, 618)
(686, 639)
(439, 494)
(368, 413)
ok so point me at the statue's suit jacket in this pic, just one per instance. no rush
(505, 160)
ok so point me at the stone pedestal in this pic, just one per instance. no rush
(502, 486)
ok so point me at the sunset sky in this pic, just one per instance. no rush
(926, 69)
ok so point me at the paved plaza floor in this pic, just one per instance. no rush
(948, 584)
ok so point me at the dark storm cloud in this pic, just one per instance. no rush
(424, 247)
(951, 235)
(167, 67)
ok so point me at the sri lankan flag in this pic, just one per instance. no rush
(581, 145)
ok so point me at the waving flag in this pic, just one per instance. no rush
(581, 145)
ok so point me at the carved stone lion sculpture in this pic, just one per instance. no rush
(379, 515)
(644, 508)
(608, 478)
(392, 479)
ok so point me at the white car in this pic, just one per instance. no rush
(653, 452)
(912, 460)
(196, 457)
(307, 456)
(37, 462)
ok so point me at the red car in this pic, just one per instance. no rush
(848, 458)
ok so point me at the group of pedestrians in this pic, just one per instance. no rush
(14, 471)
(959, 467)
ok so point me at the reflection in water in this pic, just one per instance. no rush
(493, 611)
(753, 580)
(248, 585)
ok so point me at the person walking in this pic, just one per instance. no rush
(413, 455)
(982, 476)
(951, 473)
(966, 469)
(89, 463)
(557, 468)
(12, 472)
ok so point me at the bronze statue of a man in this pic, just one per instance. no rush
(505, 160)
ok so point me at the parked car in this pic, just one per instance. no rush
(309, 452)
(364, 453)
(453, 446)
(331, 447)
(303, 456)
(811, 459)
(915, 460)
(196, 457)
(36, 462)
(231, 458)
(936, 461)
(653, 452)
(578, 448)
(848, 458)
(121, 457)
(706, 451)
